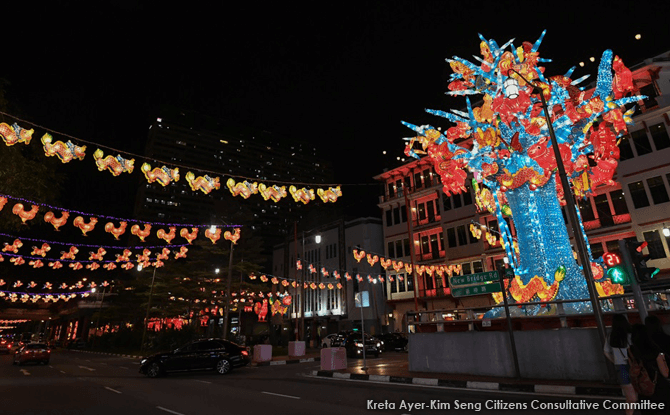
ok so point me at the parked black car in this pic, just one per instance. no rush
(218, 354)
(353, 343)
(394, 341)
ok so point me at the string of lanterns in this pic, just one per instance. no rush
(163, 175)
(139, 229)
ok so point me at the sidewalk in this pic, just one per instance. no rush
(311, 355)
(380, 371)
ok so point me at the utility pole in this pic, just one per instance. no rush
(228, 288)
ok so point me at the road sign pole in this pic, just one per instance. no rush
(365, 366)
(510, 330)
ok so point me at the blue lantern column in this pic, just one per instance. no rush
(544, 243)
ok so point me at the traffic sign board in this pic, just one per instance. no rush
(478, 278)
(476, 290)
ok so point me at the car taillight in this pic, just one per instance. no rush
(245, 353)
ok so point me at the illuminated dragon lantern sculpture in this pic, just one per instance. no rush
(505, 144)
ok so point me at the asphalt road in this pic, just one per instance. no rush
(83, 383)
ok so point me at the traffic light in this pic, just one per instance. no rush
(643, 273)
(616, 271)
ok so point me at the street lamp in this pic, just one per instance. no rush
(570, 202)
(146, 318)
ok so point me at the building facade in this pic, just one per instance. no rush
(192, 141)
(328, 247)
(424, 226)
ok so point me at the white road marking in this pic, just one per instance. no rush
(279, 394)
(87, 368)
(104, 364)
(202, 381)
(87, 360)
(501, 392)
(51, 366)
(123, 367)
(167, 410)
(113, 390)
(62, 371)
(25, 372)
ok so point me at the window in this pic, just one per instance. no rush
(405, 244)
(603, 208)
(467, 196)
(457, 201)
(391, 250)
(586, 209)
(425, 248)
(660, 136)
(446, 201)
(641, 142)
(638, 194)
(401, 282)
(650, 91)
(462, 235)
(394, 286)
(429, 282)
(619, 202)
(391, 190)
(389, 218)
(597, 250)
(477, 267)
(654, 244)
(434, 247)
(426, 177)
(410, 282)
(451, 237)
(403, 214)
(422, 211)
(493, 227)
(625, 151)
(398, 249)
(613, 246)
(430, 210)
(657, 190)
(417, 181)
(396, 215)
(466, 269)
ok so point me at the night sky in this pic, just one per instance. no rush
(339, 74)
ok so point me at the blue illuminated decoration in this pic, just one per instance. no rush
(504, 144)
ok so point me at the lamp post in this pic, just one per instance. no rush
(226, 314)
(97, 323)
(511, 89)
(146, 318)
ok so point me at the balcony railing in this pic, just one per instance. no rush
(606, 222)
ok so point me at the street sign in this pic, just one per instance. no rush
(478, 278)
(362, 299)
(476, 290)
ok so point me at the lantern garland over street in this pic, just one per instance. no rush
(67, 151)
(505, 144)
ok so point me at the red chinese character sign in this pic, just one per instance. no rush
(504, 143)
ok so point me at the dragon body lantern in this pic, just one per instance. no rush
(505, 145)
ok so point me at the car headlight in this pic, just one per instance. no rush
(143, 361)
(358, 344)
(379, 344)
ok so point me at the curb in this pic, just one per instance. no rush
(107, 354)
(286, 362)
(492, 386)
